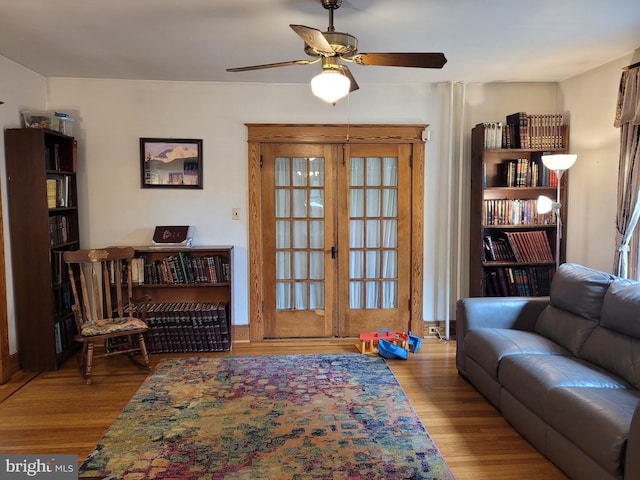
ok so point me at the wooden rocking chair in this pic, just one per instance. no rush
(98, 274)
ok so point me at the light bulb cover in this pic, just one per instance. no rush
(330, 85)
(559, 162)
(544, 204)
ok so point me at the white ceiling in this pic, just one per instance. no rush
(196, 40)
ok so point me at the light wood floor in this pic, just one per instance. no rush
(55, 412)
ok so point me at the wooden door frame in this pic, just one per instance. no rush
(260, 133)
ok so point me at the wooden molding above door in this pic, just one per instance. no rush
(259, 134)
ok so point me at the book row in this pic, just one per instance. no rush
(65, 331)
(518, 281)
(180, 268)
(188, 327)
(515, 212)
(525, 131)
(527, 246)
(59, 230)
(59, 191)
(520, 172)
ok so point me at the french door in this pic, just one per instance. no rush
(336, 260)
(332, 246)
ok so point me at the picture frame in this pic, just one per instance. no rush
(171, 163)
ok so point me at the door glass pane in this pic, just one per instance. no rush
(316, 265)
(300, 296)
(299, 234)
(389, 294)
(373, 172)
(282, 172)
(283, 265)
(356, 264)
(283, 296)
(282, 203)
(299, 172)
(390, 172)
(356, 232)
(373, 233)
(373, 202)
(356, 295)
(300, 265)
(300, 203)
(356, 202)
(389, 233)
(283, 239)
(356, 176)
(390, 201)
(316, 203)
(316, 172)
(316, 295)
(316, 233)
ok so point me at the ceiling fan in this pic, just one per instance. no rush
(331, 47)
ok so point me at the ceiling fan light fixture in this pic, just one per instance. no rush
(330, 85)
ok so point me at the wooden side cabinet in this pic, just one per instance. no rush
(190, 292)
(512, 247)
(43, 222)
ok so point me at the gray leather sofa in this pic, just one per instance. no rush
(564, 370)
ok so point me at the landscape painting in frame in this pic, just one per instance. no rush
(171, 163)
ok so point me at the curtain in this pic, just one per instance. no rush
(628, 120)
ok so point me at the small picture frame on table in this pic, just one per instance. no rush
(171, 163)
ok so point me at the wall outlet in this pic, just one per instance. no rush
(235, 213)
(433, 330)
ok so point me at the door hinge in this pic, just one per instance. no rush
(261, 161)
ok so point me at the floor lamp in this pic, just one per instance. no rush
(558, 164)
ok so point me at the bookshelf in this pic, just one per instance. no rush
(190, 292)
(43, 216)
(512, 247)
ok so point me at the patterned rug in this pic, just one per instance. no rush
(268, 417)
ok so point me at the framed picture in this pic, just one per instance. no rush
(170, 163)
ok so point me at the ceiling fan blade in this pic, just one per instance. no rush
(272, 65)
(418, 60)
(347, 73)
(314, 38)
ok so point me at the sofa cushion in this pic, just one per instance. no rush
(615, 352)
(530, 377)
(579, 289)
(621, 308)
(596, 420)
(576, 297)
(487, 346)
(565, 328)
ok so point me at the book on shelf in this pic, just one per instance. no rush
(518, 281)
(187, 327)
(526, 131)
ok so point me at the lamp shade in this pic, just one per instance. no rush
(330, 86)
(544, 204)
(559, 162)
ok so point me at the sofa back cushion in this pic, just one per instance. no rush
(615, 344)
(575, 305)
(621, 307)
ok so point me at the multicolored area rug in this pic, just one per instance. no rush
(268, 417)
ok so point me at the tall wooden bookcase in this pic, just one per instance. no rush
(503, 211)
(190, 293)
(43, 218)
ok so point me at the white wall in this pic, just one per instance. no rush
(20, 90)
(114, 114)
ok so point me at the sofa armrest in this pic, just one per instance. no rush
(632, 455)
(518, 313)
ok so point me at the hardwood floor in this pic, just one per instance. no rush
(55, 412)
